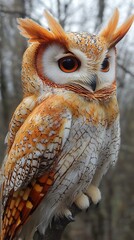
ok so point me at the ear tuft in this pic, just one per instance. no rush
(111, 26)
(36, 33)
(30, 29)
(54, 26)
(121, 31)
(111, 33)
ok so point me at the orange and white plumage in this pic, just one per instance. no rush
(65, 133)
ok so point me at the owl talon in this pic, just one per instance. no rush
(94, 194)
(82, 202)
(67, 213)
(71, 218)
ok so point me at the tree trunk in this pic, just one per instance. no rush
(12, 48)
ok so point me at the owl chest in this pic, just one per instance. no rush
(88, 145)
(82, 147)
(87, 148)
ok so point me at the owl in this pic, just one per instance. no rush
(65, 134)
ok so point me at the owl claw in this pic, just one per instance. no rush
(94, 194)
(68, 215)
(82, 202)
(71, 218)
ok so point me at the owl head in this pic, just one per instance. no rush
(81, 62)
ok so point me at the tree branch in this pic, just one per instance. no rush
(57, 227)
(22, 14)
(125, 69)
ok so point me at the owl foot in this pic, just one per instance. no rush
(82, 202)
(94, 194)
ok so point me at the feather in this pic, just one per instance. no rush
(107, 32)
(32, 170)
(111, 33)
(55, 26)
(121, 31)
(34, 31)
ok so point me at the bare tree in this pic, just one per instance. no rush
(101, 8)
(12, 48)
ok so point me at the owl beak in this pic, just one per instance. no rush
(89, 84)
(93, 82)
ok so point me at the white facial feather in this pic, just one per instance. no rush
(106, 78)
(84, 73)
(51, 69)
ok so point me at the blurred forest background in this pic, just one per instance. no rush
(113, 219)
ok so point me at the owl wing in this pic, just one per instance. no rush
(18, 118)
(30, 166)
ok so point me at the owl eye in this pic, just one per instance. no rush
(105, 65)
(69, 64)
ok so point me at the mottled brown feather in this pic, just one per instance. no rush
(23, 203)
